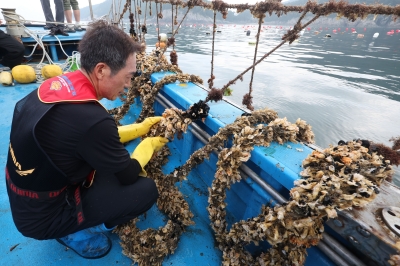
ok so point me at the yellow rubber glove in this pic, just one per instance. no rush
(130, 132)
(144, 151)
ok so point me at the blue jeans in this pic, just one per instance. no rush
(49, 15)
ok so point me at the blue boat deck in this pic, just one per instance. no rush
(196, 246)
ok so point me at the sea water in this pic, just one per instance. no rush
(345, 86)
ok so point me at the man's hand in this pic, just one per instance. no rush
(144, 151)
(150, 121)
(130, 132)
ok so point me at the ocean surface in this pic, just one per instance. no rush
(345, 86)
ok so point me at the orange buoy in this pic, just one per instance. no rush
(162, 45)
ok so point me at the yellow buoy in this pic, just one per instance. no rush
(51, 71)
(23, 74)
(6, 78)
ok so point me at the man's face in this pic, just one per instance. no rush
(113, 85)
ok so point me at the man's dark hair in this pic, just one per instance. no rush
(105, 43)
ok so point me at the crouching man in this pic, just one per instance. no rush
(68, 175)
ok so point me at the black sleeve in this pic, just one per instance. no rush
(130, 174)
(102, 149)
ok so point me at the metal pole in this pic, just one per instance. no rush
(114, 19)
(91, 10)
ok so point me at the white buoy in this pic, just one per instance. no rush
(376, 34)
(163, 37)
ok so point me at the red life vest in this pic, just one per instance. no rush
(70, 87)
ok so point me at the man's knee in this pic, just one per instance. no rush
(149, 189)
(67, 5)
(17, 53)
(14, 47)
(14, 55)
(74, 5)
(20, 49)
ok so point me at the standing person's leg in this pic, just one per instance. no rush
(59, 18)
(48, 15)
(59, 13)
(77, 14)
(68, 16)
(11, 50)
(67, 11)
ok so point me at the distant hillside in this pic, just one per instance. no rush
(200, 16)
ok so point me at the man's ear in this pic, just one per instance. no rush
(100, 70)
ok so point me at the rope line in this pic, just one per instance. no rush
(350, 11)
(249, 103)
(290, 34)
(174, 33)
(212, 77)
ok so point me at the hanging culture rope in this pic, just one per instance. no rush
(212, 77)
(247, 98)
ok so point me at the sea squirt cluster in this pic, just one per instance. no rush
(337, 178)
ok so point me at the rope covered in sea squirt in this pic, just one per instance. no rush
(212, 77)
(338, 178)
(291, 35)
(126, 6)
(141, 84)
(148, 95)
(247, 98)
(150, 246)
(290, 228)
(344, 9)
(301, 220)
(138, 12)
(171, 40)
